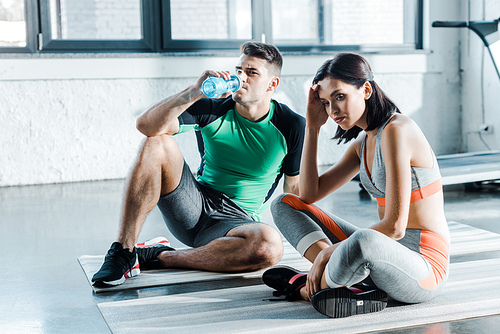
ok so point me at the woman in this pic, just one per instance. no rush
(405, 254)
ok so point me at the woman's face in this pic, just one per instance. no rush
(344, 103)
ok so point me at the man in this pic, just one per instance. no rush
(247, 143)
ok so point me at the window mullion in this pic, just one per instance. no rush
(32, 24)
(262, 24)
(409, 21)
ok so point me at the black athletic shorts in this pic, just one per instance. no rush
(197, 214)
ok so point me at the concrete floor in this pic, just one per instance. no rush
(45, 228)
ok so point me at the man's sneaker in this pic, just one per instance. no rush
(148, 252)
(286, 281)
(118, 265)
(344, 302)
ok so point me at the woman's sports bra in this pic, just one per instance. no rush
(424, 181)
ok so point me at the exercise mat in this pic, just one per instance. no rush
(465, 239)
(470, 292)
(152, 278)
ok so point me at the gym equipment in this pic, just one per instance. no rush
(466, 168)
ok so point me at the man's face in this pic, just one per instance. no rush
(257, 80)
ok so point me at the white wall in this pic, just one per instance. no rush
(72, 117)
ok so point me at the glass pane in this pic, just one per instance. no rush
(340, 22)
(12, 23)
(96, 19)
(211, 19)
(366, 21)
(295, 20)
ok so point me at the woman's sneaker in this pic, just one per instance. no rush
(344, 302)
(148, 252)
(119, 264)
(286, 281)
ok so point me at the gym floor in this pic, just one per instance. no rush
(46, 228)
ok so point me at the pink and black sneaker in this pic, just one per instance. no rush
(148, 252)
(286, 281)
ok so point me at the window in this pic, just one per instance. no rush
(194, 25)
(210, 19)
(17, 22)
(339, 23)
(206, 24)
(95, 20)
(12, 24)
(97, 25)
(294, 24)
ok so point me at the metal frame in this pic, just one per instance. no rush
(486, 30)
(478, 166)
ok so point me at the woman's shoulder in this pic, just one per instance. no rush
(403, 133)
(400, 125)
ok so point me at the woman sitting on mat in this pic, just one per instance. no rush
(405, 254)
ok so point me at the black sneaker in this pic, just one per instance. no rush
(286, 281)
(344, 302)
(148, 252)
(119, 264)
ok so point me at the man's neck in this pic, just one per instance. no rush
(254, 112)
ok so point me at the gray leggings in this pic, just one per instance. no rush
(410, 270)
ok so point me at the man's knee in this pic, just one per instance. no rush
(266, 246)
(157, 146)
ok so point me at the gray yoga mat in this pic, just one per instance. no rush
(470, 292)
(465, 239)
(152, 278)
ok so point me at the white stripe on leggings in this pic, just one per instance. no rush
(308, 240)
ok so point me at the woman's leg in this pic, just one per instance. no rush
(307, 228)
(404, 274)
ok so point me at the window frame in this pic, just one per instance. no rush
(157, 30)
(150, 27)
(32, 27)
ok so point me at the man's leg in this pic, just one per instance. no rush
(157, 171)
(247, 247)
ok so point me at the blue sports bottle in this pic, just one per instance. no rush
(216, 86)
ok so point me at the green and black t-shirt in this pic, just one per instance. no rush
(245, 159)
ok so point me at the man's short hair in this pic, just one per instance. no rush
(268, 52)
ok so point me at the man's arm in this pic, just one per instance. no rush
(162, 117)
(291, 184)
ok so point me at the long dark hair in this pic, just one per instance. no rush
(353, 69)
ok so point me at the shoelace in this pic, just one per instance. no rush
(118, 261)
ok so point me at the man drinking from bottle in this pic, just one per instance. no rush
(247, 142)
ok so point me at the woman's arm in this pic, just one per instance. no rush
(312, 186)
(397, 148)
